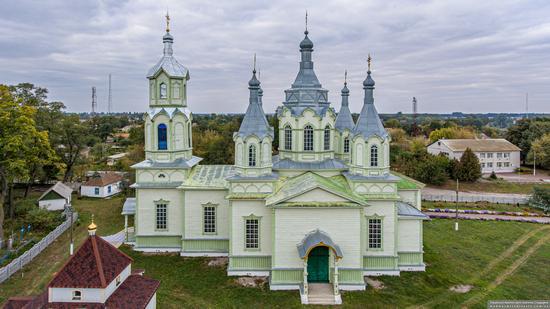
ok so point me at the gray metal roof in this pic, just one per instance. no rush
(369, 123)
(237, 177)
(168, 63)
(314, 239)
(407, 210)
(254, 121)
(59, 188)
(210, 176)
(344, 120)
(306, 89)
(129, 207)
(178, 163)
(156, 185)
(169, 111)
(328, 164)
(386, 177)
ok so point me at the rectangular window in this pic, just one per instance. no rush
(506, 164)
(482, 155)
(209, 219)
(109, 189)
(489, 155)
(506, 155)
(346, 145)
(482, 165)
(161, 217)
(375, 233)
(499, 164)
(288, 138)
(499, 155)
(96, 191)
(252, 233)
(490, 164)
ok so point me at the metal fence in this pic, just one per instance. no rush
(7, 271)
(470, 198)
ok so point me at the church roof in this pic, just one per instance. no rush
(344, 120)
(94, 265)
(212, 176)
(408, 211)
(255, 121)
(328, 164)
(135, 292)
(178, 163)
(315, 238)
(369, 123)
(308, 181)
(169, 111)
(168, 63)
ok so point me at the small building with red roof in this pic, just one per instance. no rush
(98, 275)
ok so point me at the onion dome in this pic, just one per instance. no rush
(306, 42)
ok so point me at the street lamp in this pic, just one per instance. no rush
(69, 211)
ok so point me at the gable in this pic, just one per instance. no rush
(318, 195)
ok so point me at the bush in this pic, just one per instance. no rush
(469, 168)
(540, 198)
(493, 176)
(41, 219)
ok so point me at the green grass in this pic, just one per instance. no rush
(474, 255)
(482, 206)
(497, 186)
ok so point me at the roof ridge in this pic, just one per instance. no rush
(99, 264)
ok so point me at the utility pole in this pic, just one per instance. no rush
(94, 100)
(534, 163)
(70, 210)
(110, 106)
(456, 206)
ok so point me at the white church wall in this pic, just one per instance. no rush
(194, 201)
(388, 212)
(292, 225)
(409, 235)
(240, 209)
(146, 211)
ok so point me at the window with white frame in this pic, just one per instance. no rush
(346, 145)
(288, 138)
(489, 164)
(499, 164)
(96, 191)
(482, 155)
(327, 138)
(161, 216)
(209, 219)
(373, 155)
(163, 91)
(375, 233)
(489, 155)
(482, 165)
(77, 295)
(506, 164)
(499, 155)
(506, 155)
(308, 138)
(252, 233)
(252, 155)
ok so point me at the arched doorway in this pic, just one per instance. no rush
(317, 264)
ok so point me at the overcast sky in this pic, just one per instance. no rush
(468, 56)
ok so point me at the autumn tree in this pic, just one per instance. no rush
(21, 143)
(451, 133)
(540, 151)
(469, 168)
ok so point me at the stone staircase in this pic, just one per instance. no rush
(322, 294)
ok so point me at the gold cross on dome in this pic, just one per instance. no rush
(369, 59)
(167, 22)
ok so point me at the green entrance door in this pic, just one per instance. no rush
(317, 265)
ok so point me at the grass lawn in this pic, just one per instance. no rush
(482, 206)
(480, 254)
(496, 186)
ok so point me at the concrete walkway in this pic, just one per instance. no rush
(433, 194)
(542, 220)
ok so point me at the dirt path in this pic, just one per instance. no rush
(494, 262)
(506, 273)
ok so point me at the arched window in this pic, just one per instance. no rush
(251, 155)
(308, 138)
(162, 137)
(288, 138)
(77, 295)
(373, 155)
(327, 138)
(163, 91)
(346, 145)
(189, 134)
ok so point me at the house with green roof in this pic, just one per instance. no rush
(324, 211)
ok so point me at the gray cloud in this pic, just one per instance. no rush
(470, 56)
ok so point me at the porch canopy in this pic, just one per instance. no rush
(314, 239)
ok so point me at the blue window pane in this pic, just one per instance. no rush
(163, 145)
(96, 191)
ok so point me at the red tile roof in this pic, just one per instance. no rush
(135, 292)
(94, 265)
(103, 179)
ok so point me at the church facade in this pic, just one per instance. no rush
(326, 208)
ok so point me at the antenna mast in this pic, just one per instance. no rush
(415, 112)
(110, 104)
(94, 101)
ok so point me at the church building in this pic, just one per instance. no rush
(324, 209)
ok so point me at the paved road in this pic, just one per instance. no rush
(433, 214)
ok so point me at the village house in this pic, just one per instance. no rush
(320, 215)
(495, 154)
(56, 197)
(98, 275)
(102, 184)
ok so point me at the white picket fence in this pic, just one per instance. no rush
(7, 271)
